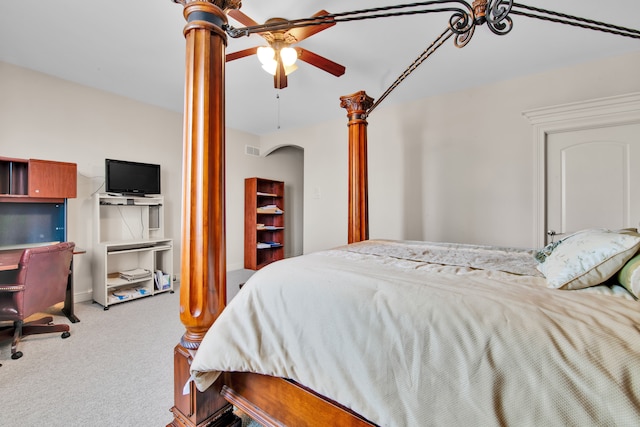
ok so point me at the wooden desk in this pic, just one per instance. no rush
(10, 260)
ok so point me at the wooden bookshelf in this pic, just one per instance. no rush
(263, 222)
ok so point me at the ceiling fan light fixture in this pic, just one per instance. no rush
(266, 55)
(288, 69)
(289, 56)
(278, 56)
(270, 67)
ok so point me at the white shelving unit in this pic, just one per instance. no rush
(129, 237)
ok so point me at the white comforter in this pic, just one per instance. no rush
(404, 342)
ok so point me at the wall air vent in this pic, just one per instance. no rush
(251, 151)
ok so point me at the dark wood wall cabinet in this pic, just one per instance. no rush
(33, 200)
(24, 180)
(263, 222)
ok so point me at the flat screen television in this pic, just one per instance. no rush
(131, 178)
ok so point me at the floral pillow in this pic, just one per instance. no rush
(588, 258)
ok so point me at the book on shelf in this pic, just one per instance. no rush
(264, 245)
(119, 296)
(126, 293)
(262, 193)
(161, 280)
(270, 209)
(268, 227)
(135, 274)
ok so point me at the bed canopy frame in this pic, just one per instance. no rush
(269, 400)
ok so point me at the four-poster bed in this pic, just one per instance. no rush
(273, 400)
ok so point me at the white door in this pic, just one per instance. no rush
(593, 178)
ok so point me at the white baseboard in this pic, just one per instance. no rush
(235, 266)
(83, 296)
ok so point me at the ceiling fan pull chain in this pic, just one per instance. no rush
(278, 106)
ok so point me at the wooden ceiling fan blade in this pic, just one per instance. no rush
(242, 18)
(320, 62)
(302, 33)
(241, 53)
(280, 77)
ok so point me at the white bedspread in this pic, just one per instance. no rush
(404, 342)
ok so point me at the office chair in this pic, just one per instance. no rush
(39, 282)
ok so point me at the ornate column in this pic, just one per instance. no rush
(203, 277)
(357, 105)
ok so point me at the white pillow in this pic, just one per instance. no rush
(588, 258)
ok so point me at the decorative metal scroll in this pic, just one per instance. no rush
(494, 13)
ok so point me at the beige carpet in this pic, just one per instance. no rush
(115, 369)
(246, 421)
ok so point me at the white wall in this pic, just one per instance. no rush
(325, 181)
(44, 117)
(456, 167)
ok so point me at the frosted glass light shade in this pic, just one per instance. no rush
(289, 56)
(266, 54)
(270, 67)
(288, 69)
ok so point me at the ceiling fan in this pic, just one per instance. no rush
(279, 57)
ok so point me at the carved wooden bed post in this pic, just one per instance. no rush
(203, 277)
(356, 106)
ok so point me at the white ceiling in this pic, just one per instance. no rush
(135, 48)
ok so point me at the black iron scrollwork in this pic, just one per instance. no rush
(497, 16)
(495, 13)
(462, 21)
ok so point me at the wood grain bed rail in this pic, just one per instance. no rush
(259, 396)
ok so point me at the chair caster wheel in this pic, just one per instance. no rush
(16, 355)
(106, 308)
(65, 334)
